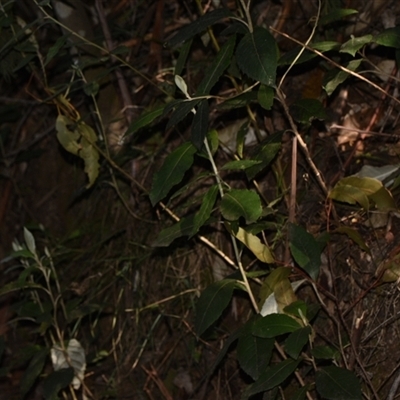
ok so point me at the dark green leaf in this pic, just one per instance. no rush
(221, 355)
(265, 152)
(120, 50)
(57, 46)
(145, 119)
(354, 235)
(336, 14)
(2, 347)
(305, 250)
(241, 100)
(325, 353)
(240, 164)
(298, 309)
(181, 110)
(305, 110)
(301, 393)
(389, 37)
(265, 96)
(33, 370)
(241, 137)
(205, 209)
(254, 353)
(56, 381)
(257, 56)
(217, 68)
(334, 383)
(241, 203)
(183, 55)
(200, 124)
(212, 302)
(172, 171)
(325, 46)
(306, 55)
(272, 377)
(199, 25)
(296, 341)
(16, 285)
(184, 227)
(336, 76)
(274, 325)
(289, 57)
(355, 44)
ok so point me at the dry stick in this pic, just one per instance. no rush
(102, 49)
(300, 140)
(367, 129)
(234, 243)
(394, 387)
(335, 64)
(297, 374)
(123, 87)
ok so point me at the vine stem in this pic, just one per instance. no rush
(234, 243)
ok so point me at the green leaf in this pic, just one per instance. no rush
(212, 302)
(355, 44)
(389, 37)
(334, 383)
(257, 56)
(297, 308)
(68, 138)
(199, 25)
(78, 138)
(221, 355)
(325, 353)
(240, 164)
(268, 303)
(33, 370)
(2, 347)
(272, 377)
(354, 189)
(239, 101)
(89, 154)
(325, 46)
(172, 171)
(29, 241)
(253, 243)
(383, 200)
(200, 124)
(183, 55)
(220, 63)
(296, 341)
(205, 209)
(185, 227)
(253, 353)
(265, 152)
(305, 250)
(353, 235)
(145, 119)
(274, 325)
(305, 110)
(57, 46)
(57, 381)
(336, 14)
(301, 393)
(265, 96)
(336, 76)
(289, 57)
(16, 285)
(241, 203)
(182, 109)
